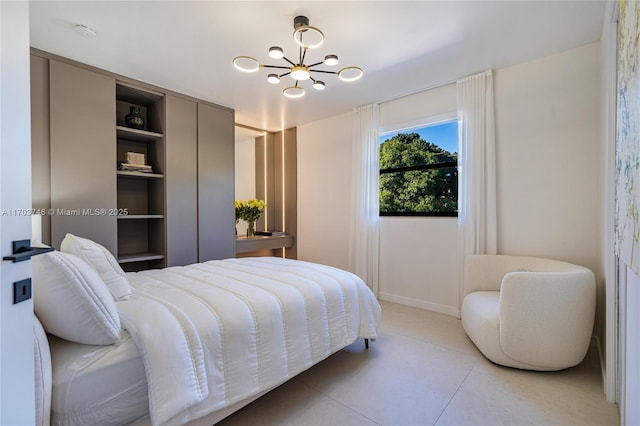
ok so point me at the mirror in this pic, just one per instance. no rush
(266, 168)
(245, 166)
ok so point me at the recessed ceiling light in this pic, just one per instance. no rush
(84, 31)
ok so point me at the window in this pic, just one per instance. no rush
(419, 171)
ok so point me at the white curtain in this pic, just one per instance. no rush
(477, 168)
(364, 232)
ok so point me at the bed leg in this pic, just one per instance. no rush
(366, 343)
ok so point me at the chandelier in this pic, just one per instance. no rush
(306, 37)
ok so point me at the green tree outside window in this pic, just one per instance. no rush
(417, 177)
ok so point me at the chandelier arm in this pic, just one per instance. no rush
(304, 53)
(316, 64)
(286, 73)
(286, 59)
(275, 66)
(325, 72)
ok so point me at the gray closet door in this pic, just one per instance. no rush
(216, 211)
(83, 154)
(181, 179)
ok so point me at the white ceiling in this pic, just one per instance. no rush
(403, 47)
(242, 134)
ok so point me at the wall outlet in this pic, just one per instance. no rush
(21, 291)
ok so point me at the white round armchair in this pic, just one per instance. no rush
(529, 313)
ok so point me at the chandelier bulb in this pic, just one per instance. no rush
(276, 52)
(294, 92)
(331, 60)
(313, 37)
(273, 79)
(246, 64)
(350, 73)
(300, 72)
(318, 85)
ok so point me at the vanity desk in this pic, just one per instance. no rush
(262, 245)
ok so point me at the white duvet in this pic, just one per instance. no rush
(214, 333)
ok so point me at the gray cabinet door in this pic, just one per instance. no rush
(181, 180)
(83, 154)
(216, 211)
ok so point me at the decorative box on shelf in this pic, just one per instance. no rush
(127, 167)
(137, 158)
(271, 233)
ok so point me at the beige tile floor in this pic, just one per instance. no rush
(423, 370)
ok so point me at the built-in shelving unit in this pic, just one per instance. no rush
(141, 196)
(140, 216)
(139, 257)
(180, 213)
(139, 175)
(137, 135)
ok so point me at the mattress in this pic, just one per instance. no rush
(93, 385)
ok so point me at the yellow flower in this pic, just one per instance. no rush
(249, 210)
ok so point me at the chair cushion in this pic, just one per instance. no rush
(480, 319)
(546, 319)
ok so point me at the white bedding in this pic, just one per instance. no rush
(97, 385)
(234, 328)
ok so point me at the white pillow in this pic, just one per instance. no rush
(102, 261)
(71, 300)
(42, 358)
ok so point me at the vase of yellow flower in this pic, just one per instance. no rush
(250, 211)
(239, 205)
(251, 229)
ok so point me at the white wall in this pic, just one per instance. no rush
(16, 321)
(419, 262)
(324, 177)
(549, 173)
(549, 148)
(549, 160)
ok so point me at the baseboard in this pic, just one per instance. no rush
(422, 304)
(603, 364)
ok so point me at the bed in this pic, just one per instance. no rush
(187, 344)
